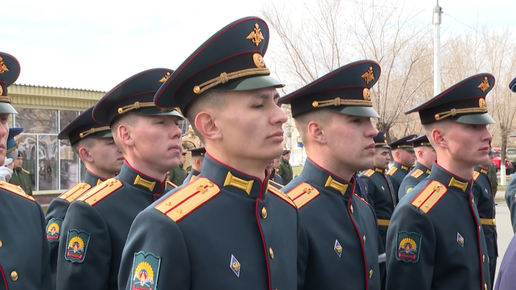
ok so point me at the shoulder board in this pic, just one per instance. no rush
(476, 174)
(16, 189)
(190, 197)
(368, 173)
(417, 173)
(277, 185)
(392, 170)
(171, 184)
(101, 191)
(74, 192)
(26, 171)
(192, 178)
(429, 196)
(281, 195)
(302, 194)
(361, 198)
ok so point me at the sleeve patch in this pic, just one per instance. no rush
(54, 229)
(76, 245)
(302, 194)
(145, 271)
(101, 191)
(409, 246)
(74, 192)
(188, 198)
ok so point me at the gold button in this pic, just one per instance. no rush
(264, 212)
(364, 238)
(351, 208)
(483, 258)
(479, 227)
(271, 253)
(1, 244)
(14, 275)
(370, 273)
(485, 286)
(472, 201)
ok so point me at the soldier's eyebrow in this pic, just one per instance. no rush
(266, 95)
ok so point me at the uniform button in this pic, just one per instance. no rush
(271, 253)
(264, 212)
(472, 201)
(14, 275)
(483, 258)
(370, 273)
(351, 208)
(1, 244)
(485, 286)
(364, 238)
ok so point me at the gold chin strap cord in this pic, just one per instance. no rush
(135, 106)
(93, 130)
(454, 112)
(226, 77)
(4, 99)
(341, 102)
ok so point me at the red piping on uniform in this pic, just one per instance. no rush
(361, 243)
(329, 171)
(139, 172)
(261, 235)
(3, 276)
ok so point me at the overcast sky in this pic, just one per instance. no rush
(96, 44)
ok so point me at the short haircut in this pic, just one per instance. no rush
(443, 125)
(210, 99)
(129, 119)
(87, 142)
(322, 116)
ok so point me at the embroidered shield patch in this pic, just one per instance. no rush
(77, 245)
(53, 229)
(145, 271)
(409, 246)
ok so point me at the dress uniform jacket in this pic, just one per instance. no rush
(224, 230)
(285, 171)
(56, 212)
(510, 199)
(486, 210)
(341, 230)
(21, 177)
(396, 174)
(435, 239)
(24, 257)
(191, 176)
(507, 273)
(413, 178)
(96, 227)
(381, 198)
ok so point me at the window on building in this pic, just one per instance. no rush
(51, 162)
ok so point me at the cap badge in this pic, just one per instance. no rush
(258, 60)
(368, 75)
(256, 35)
(482, 103)
(366, 94)
(484, 85)
(165, 77)
(3, 67)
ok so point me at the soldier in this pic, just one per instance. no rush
(380, 194)
(197, 160)
(21, 176)
(94, 144)
(507, 274)
(178, 175)
(484, 199)
(274, 178)
(341, 227)
(435, 238)
(227, 229)
(24, 257)
(285, 169)
(97, 223)
(425, 155)
(404, 158)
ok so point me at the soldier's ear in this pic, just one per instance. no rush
(316, 133)
(207, 126)
(123, 132)
(84, 154)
